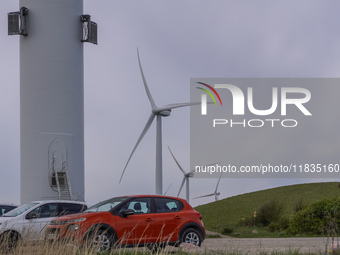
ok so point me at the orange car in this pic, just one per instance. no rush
(131, 221)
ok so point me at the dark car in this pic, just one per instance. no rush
(6, 208)
(131, 221)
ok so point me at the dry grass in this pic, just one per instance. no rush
(68, 247)
(61, 248)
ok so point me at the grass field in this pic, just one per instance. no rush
(231, 211)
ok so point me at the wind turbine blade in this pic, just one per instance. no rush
(167, 189)
(173, 106)
(205, 196)
(146, 128)
(153, 105)
(180, 167)
(181, 186)
(218, 183)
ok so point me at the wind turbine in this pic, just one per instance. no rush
(160, 112)
(185, 178)
(216, 194)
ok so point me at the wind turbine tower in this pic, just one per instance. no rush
(52, 33)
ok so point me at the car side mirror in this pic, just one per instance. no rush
(31, 216)
(128, 212)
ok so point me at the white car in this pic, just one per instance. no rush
(28, 222)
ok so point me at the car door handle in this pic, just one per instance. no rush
(178, 217)
(148, 219)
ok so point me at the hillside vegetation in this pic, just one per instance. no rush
(231, 212)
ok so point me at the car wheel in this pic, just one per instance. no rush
(191, 236)
(9, 240)
(102, 241)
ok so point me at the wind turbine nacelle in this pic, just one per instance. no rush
(165, 113)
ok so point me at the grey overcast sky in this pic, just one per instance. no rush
(177, 40)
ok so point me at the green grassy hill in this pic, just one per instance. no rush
(230, 211)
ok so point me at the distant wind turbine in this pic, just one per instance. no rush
(160, 112)
(216, 194)
(185, 178)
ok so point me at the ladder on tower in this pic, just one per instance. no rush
(63, 183)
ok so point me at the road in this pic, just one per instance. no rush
(257, 245)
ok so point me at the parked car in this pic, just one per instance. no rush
(4, 208)
(28, 222)
(131, 221)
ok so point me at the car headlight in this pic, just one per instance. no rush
(76, 220)
(64, 222)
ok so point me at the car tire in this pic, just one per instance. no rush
(102, 241)
(9, 240)
(192, 236)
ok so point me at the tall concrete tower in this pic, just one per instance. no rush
(51, 97)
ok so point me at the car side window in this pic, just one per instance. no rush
(69, 208)
(138, 205)
(45, 211)
(166, 205)
(5, 209)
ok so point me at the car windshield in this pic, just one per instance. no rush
(19, 210)
(106, 205)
